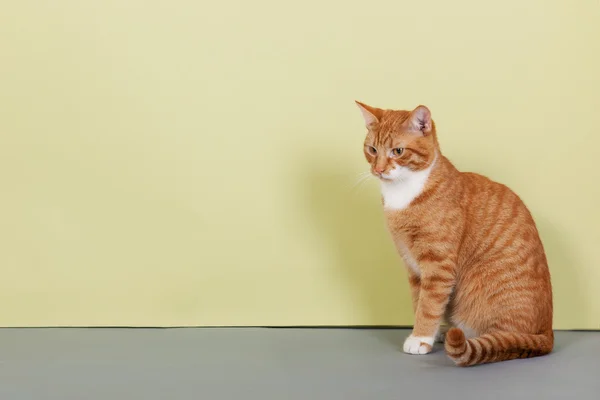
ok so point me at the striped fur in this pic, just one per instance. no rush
(474, 256)
(495, 346)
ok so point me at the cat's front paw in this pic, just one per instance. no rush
(418, 344)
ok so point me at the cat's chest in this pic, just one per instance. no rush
(399, 197)
(407, 236)
(407, 256)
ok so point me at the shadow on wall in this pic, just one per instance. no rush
(569, 300)
(350, 222)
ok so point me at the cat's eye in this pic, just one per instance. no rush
(397, 151)
(372, 150)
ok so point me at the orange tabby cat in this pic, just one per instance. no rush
(474, 256)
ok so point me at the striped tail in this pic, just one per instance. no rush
(495, 346)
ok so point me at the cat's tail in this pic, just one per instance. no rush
(495, 346)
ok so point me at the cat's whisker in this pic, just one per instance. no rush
(362, 177)
(360, 183)
(359, 178)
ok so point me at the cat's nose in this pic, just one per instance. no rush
(378, 170)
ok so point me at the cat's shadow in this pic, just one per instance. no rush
(350, 222)
(570, 301)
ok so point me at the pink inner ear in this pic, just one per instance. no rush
(421, 119)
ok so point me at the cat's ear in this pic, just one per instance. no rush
(370, 114)
(420, 119)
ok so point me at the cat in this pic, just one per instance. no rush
(473, 253)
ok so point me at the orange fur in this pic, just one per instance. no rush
(477, 260)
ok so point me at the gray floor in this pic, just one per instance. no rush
(240, 363)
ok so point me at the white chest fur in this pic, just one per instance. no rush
(406, 186)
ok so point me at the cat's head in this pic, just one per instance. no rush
(398, 142)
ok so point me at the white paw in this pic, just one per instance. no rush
(418, 344)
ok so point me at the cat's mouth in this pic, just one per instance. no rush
(383, 177)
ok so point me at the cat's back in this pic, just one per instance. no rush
(491, 200)
(497, 219)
